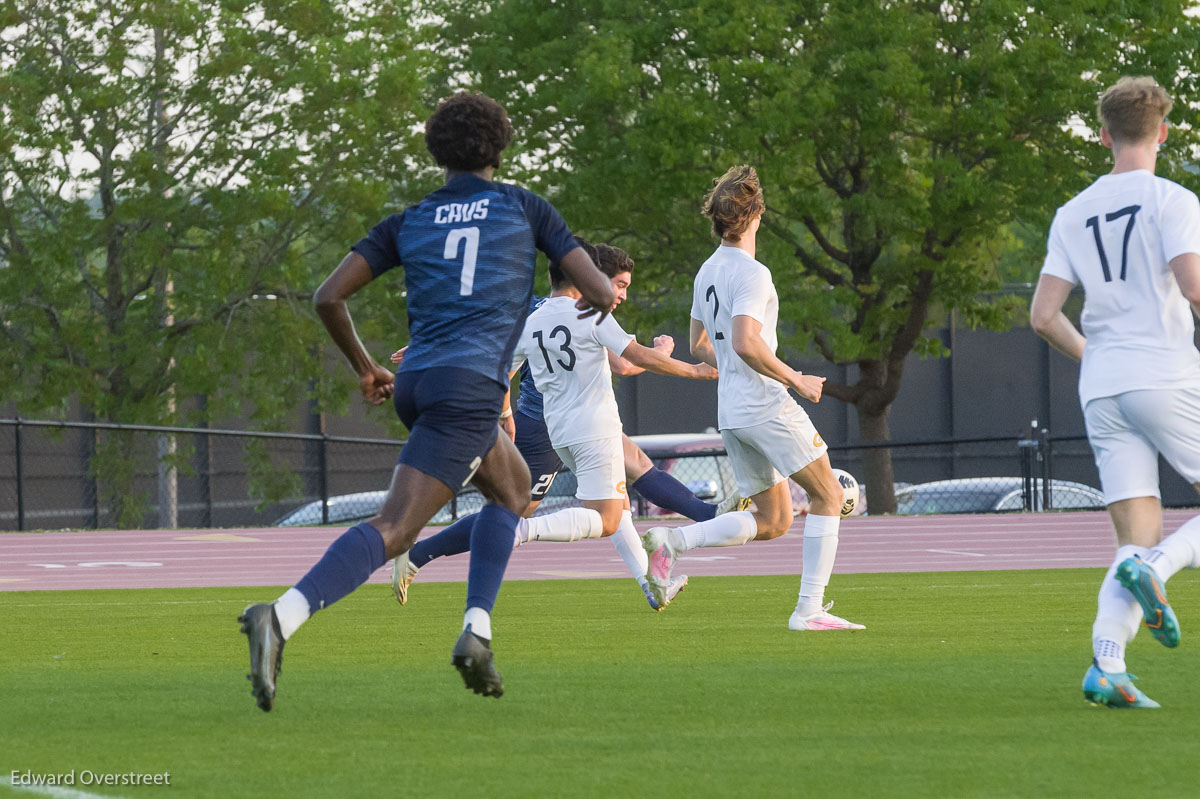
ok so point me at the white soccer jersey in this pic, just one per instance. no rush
(1117, 238)
(732, 283)
(569, 364)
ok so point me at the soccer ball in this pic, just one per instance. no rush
(849, 491)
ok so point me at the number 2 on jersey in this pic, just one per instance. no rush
(711, 294)
(471, 236)
(1094, 223)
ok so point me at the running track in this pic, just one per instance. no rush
(274, 556)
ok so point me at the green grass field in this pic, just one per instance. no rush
(964, 684)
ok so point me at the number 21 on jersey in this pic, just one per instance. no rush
(469, 235)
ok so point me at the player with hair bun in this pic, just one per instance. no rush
(768, 437)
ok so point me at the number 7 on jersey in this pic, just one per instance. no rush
(471, 236)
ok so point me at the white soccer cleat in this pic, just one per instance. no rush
(403, 573)
(674, 587)
(822, 620)
(733, 502)
(660, 559)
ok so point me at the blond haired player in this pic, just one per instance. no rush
(1133, 241)
(768, 437)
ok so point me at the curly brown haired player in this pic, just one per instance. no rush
(468, 250)
(468, 132)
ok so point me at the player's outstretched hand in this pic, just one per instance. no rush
(398, 355)
(809, 387)
(589, 311)
(509, 425)
(705, 372)
(664, 344)
(376, 385)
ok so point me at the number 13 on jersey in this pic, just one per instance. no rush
(469, 235)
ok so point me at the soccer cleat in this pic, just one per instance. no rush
(659, 562)
(403, 573)
(261, 626)
(822, 620)
(674, 587)
(1113, 690)
(1141, 581)
(473, 658)
(733, 502)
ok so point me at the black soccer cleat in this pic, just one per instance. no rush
(473, 658)
(261, 626)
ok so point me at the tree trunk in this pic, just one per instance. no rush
(881, 496)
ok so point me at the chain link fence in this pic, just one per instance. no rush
(79, 475)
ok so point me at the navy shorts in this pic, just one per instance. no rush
(533, 442)
(453, 419)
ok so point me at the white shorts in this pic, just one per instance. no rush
(599, 467)
(1129, 431)
(771, 452)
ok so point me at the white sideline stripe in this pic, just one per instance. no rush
(956, 552)
(56, 791)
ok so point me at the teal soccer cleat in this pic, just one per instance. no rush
(1113, 690)
(1141, 581)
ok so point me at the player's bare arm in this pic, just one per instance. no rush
(1048, 320)
(351, 275)
(654, 360)
(1187, 274)
(507, 423)
(749, 345)
(622, 367)
(701, 346)
(594, 287)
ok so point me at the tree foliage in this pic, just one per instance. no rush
(175, 179)
(896, 142)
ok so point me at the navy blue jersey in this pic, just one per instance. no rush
(468, 252)
(529, 401)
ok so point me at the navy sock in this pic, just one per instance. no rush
(454, 540)
(346, 565)
(491, 546)
(666, 492)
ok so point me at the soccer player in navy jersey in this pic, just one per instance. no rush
(468, 251)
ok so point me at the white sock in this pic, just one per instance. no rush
(1180, 550)
(480, 622)
(820, 550)
(570, 524)
(292, 610)
(728, 530)
(629, 546)
(1118, 616)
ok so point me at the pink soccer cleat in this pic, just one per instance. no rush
(660, 560)
(822, 620)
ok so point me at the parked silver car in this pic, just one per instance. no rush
(992, 494)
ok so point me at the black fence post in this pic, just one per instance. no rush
(323, 475)
(1027, 449)
(95, 481)
(1044, 457)
(20, 479)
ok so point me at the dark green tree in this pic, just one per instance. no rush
(175, 179)
(896, 141)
